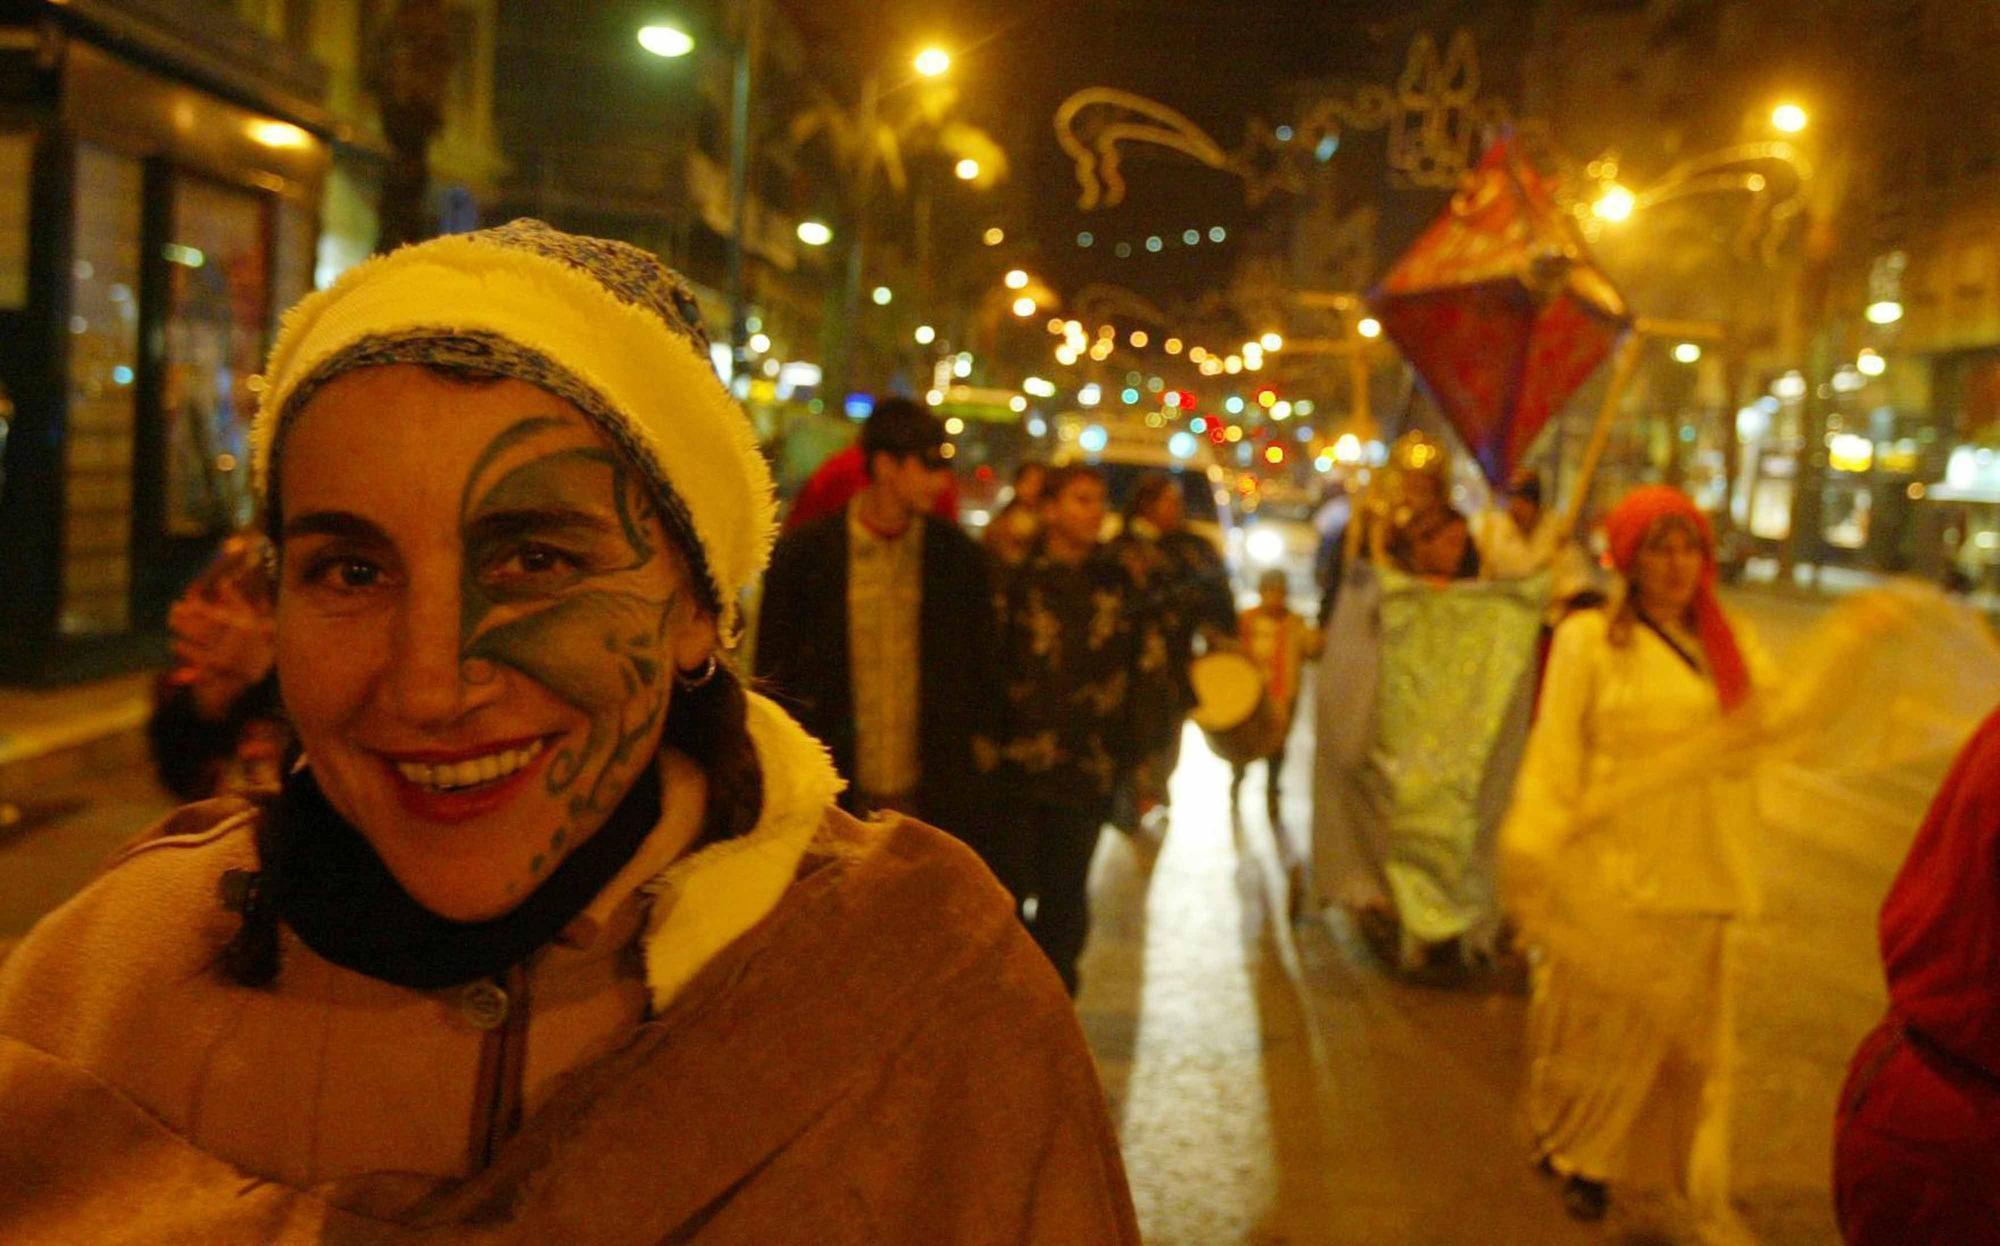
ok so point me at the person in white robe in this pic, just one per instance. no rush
(1623, 856)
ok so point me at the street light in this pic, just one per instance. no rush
(1272, 342)
(1788, 118)
(1615, 204)
(668, 42)
(1888, 311)
(815, 233)
(967, 170)
(933, 62)
(1687, 352)
(1017, 280)
(925, 335)
(1025, 307)
(1369, 327)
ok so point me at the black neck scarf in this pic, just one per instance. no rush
(326, 882)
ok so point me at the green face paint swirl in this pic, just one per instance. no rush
(563, 582)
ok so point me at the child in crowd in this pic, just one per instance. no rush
(1280, 643)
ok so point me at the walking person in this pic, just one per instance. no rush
(1011, 534)
(553, 933)
(873, 634)
(1280, 642)
(1421, 717)
(216, 725)
(1087, 696)
(1187, 587)
(1631, 903)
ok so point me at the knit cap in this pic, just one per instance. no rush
(601, 324)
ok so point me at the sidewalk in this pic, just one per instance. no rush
(50, 736)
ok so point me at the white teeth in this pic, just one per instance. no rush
(455, 775)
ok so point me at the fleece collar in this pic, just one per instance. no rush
(706, 901)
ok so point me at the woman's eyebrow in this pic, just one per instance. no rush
(538, 521)
(333, 524)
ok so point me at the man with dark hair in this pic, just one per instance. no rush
(1088, 695)
(835, 482)
(1187, 586)
(875, 631)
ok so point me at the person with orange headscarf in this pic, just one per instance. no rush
(1628, 900)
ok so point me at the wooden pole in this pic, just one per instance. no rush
(1600, 433)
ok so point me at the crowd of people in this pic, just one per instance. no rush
(1517, 762)
(510, 909)
(1019, 692)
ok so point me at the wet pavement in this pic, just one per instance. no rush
(1274, 1084)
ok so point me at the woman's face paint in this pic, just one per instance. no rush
(479, 620)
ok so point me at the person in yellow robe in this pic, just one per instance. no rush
(1624, 857)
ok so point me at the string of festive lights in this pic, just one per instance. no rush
(1154, 244)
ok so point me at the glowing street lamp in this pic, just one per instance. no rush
(1024, 307)
(1272, 342)
(1687, 352)
(1615, 204)
(1871, 364)
(668, 42)
(884, 296)
(967, 170)
(1788, 118)
(933, 62)
(925, 335)
(815, 233)
(1017, 280)
(1369, 327)
(1888, 311)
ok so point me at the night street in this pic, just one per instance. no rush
(1274, 1086)
(610, 476)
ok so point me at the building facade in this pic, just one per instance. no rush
(165, 169)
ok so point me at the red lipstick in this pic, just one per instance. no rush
(466, 804)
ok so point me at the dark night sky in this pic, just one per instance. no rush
(1215, 60)
(1218, 61)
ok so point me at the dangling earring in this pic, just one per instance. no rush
(699, 678)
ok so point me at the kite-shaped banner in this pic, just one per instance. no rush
(1500, 310)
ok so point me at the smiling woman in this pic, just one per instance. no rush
(487, 647)
(553, 932)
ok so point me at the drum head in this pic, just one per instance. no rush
(1228, 687)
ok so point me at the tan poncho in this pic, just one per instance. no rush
(885, 1057)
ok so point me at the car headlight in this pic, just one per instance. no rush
(1264, 545)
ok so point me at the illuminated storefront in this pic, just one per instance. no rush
(157, 208)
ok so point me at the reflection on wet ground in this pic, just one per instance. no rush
(1274, 1084)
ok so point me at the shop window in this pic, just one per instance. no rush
(217, 315)
(103, 369)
